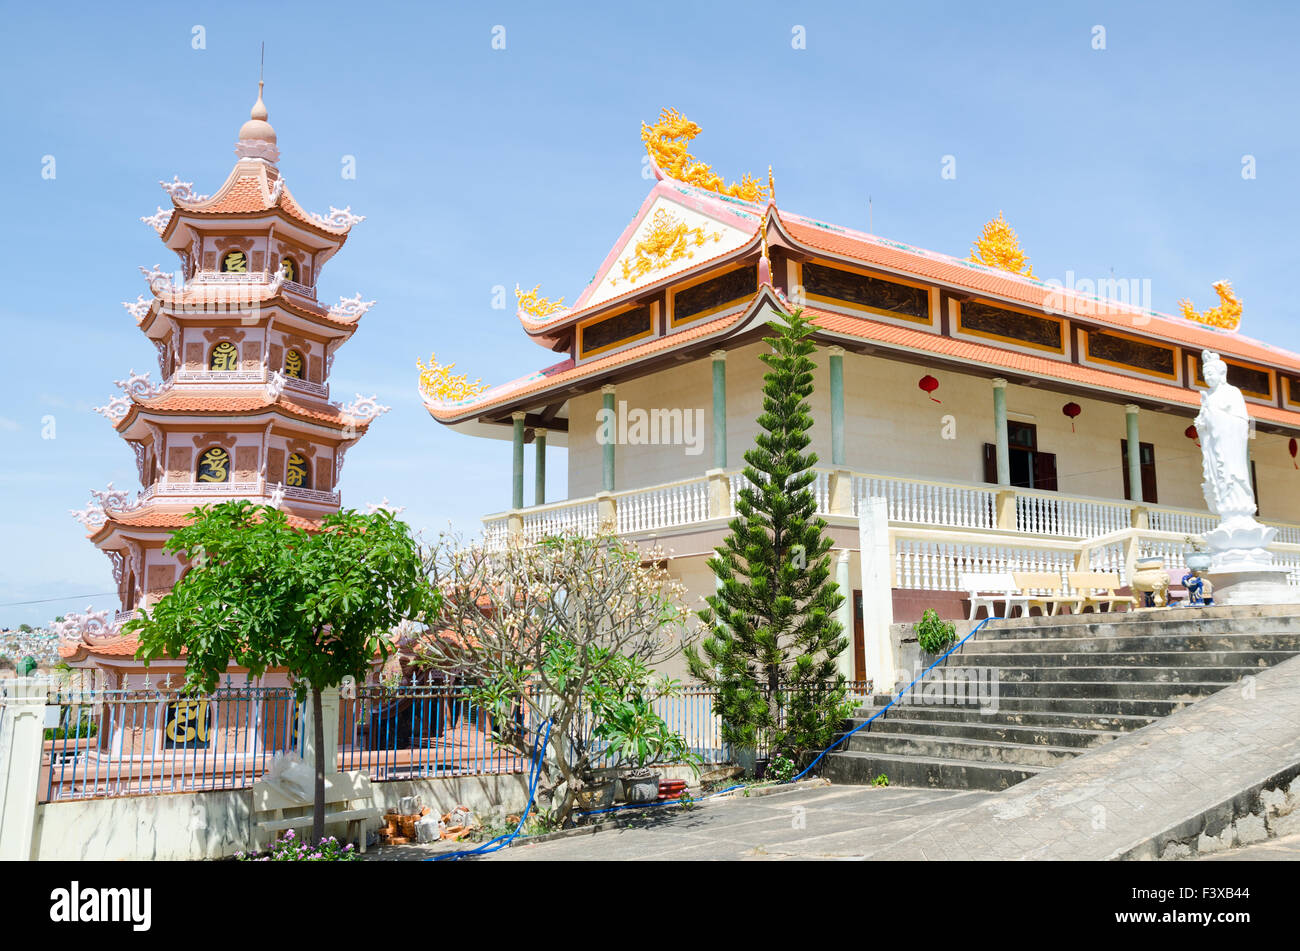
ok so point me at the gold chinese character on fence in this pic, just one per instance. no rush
(225, 356)
(296, 474)
(187, 721)
(214, 465)
(235, 263)
(293, 364)
(287, 268)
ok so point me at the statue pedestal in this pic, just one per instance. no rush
(1252, 584)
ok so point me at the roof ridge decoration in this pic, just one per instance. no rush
(139, 308)
(95, 513)
(182, 191)
(669, 240)
(998, 246)
(339, 219)
(666, 143)
(1227, 316)
(76, 629)
(437, 383)
(364, 408)
(158, 220)
(535, 305)
(350, 309)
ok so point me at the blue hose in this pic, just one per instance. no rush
(501, 841)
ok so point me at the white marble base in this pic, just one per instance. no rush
(1252, 584)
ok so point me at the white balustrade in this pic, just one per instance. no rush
(928, 503)
(938, 565)
(1040, 513)
(579, 518)
(307, 386)
(1181, 521)
(681, 503)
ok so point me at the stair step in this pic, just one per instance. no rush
(977, 729)
(1136, 673)
(1140, 624)
(1242, 660)
(863, 768)
(958, 748)
(1126, 642)
(1122, 723)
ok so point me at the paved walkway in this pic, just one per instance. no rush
(1285, 849)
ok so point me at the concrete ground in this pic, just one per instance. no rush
(825, 822)
(1283, 849)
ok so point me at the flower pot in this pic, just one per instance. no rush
(641, 788)
(1198, 560)
(760, 768)
(595, 796)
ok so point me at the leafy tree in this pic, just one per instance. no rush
(25, 628)
(264, 594)
(772, 635)
(566, 631)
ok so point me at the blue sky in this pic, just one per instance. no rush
(479, 167)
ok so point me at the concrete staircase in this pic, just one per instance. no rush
(1052, 688)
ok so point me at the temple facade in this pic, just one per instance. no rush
(1007, 422)
(242, 409)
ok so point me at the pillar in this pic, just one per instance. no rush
(877, 594)
(517, 473)
(1000, 431)
(719, 409)
(329, 707)
(844, 663)
(837, 406)
(1134, 454)
(539, 467)
(22, 735)
(607, 450)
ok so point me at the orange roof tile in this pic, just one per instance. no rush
(179, 401)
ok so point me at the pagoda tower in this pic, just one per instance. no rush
(242, 409)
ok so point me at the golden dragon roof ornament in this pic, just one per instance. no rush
(668, 240)
(998, 246)
(438, 383)
(530, 302)
(666, 141)
(1227, 316)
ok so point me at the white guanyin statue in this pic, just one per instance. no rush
(1241, 567)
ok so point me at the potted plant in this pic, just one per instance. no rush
(638, 736)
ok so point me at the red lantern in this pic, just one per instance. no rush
(1291, 448)
(1071, 410)
(1191, 433)
(929, 384)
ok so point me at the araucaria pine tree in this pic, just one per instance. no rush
(772, 634)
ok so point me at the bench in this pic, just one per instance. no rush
(341, 790)
(1043, 590)
(1095, 588)
(986, 589)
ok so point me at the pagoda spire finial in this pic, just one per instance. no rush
(256, 136)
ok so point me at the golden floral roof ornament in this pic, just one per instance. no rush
(438, 383)
(771, 185)
(998, 246)
(764, 262)
(1227, 316)
(668, 240)
(533, 304)
(666, 141)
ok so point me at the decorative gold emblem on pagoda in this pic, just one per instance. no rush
(530, 302)
(668, 240)
(998, 246)
(1227, 316)
(438, 383)
(666, 141)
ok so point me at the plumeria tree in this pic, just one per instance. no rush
(560, 631)
(263, 594)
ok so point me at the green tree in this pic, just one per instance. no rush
(772, 637)
(264, 594)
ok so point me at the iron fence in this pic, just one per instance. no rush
(146, 741)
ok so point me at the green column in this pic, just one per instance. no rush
(607, 450)
(517, 495)
(539, 468)
(1000, 431)
(1134, 454)
(719, 409)
(837, 406)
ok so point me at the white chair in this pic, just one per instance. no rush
(986, 589)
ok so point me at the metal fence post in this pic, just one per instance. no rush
(22, 734)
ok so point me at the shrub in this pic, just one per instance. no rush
(290, 849)
(934, 634)
(780, 769)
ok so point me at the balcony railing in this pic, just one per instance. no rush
(940, 530)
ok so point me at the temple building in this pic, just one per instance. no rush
(1008, 422)
(242, 409)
